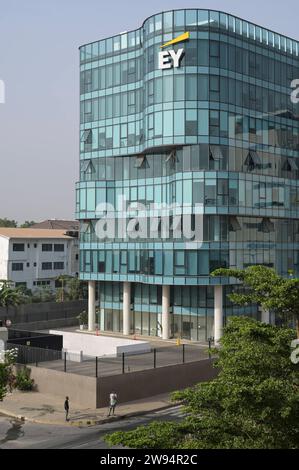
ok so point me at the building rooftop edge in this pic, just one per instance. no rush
(198, 9)
(11, 232)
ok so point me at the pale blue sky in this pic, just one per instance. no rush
(39, 42)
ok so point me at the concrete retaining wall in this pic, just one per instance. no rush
(80, 389)
(146, 383)
(89, 392)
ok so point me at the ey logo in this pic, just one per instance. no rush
(171, 58)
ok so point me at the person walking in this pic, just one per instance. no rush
(67, 408)
(112, 402)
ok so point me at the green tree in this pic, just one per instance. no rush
(28, 224)
(61, 291)
(264, 287)
(8, 223)
(8, 359)
(253, 402)
(77, 289)
(46, 294)
(9, 295)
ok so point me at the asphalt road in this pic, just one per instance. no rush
(15, 434)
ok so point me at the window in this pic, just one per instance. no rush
(198, 192)
(215, 152)
(214, 54)
(290, 165)
(191, 87)
(101, 266)
(179, 88)
(150, 125)
(214, 123)
(215, 156)
(87, 166)
(47, 247)
(179, 262)
(191, 53)
(203, 87)
(17, 267)
(18, 247)
(191, 122)
(58, 265)
(86, 139)
(141, 162)
(131, 102)
(253, 160)
(87, 111)
(21, 284)
(46, 266)
(214, 88)
(171, 157)
(266, 226)
(59, 247)
(234, 224)
(42, 283)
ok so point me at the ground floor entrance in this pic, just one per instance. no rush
(190, 326)
(184, 312)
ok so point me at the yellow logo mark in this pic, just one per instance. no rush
(182, 37)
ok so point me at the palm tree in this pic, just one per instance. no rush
(9, 295)
(63, 279)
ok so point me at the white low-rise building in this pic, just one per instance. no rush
(36, 257)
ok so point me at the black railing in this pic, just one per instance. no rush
(33, 355)
(108, 365)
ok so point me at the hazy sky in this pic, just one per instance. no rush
(39, 42)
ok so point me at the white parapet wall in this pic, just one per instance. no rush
(93, 345)
(75, 356)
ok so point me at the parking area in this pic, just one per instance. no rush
(106, 366)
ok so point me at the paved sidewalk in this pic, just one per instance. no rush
(45, 409)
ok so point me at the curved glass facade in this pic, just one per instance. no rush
(218, 135)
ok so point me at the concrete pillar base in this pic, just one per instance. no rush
(127, 308)
(265, 316)
(165, 312)
(91, 305)
(218, 314)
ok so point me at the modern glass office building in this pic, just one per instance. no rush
(206, 123)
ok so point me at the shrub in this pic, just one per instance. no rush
(23, 380)
(83, 318)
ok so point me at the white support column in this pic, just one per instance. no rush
(265, 316)
(165, 311)
(218, 313)
(91, 305)
(127, 308)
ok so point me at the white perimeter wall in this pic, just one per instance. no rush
(93, 345)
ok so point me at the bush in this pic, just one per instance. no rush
(83, 318)
(23, 380)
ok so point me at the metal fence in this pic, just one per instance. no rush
(35, 339)
(33, 355)
(109, 365)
